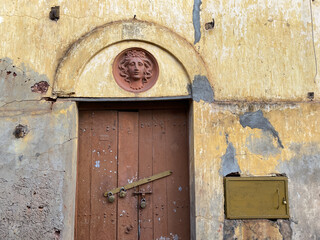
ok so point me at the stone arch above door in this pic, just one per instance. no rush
(86, 68)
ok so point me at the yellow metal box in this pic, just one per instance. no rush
(256, 197)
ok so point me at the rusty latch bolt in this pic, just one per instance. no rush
(138, 183)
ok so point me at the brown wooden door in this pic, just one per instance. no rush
(117, 147)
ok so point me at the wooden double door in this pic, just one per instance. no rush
(118, 147)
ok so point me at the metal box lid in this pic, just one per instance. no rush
(256, 197)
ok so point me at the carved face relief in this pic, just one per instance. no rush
(135, 70)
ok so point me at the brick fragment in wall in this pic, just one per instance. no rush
(40, 87)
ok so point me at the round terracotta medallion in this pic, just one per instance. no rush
(135, 70)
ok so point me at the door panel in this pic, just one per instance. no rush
(83, 180)
(178, 184)
(128, 172)
(97, 168)
(146, 170)
(160, 164)
(119, 147)
(103, 169)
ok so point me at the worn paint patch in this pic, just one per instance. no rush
(229, 229)
(262, 145)
(16, 81)
(303, 187)
(304, 167)
(229, 162)
(196, 20)
(201, 89)
(28, 203)
(285, 229)
(257, 120)
(35, 198)
(256, 229)
(130, 30)
(97, 165)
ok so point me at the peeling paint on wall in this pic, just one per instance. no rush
(201, 89)
(34, 167)
(229, 162)
(285, 229)
(262, 145)
(256, 229)
(196, 20)
(303, 174)
(229, 229)
(257, 120)
(20, 83)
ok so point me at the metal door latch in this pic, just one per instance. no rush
(123, 189)
(143, 203)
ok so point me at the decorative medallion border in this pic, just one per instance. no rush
(135, 70)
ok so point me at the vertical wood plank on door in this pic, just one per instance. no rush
(127, 172)
(159, 165)
(146, 170)
(83, 212)
(104, 175)
(178, 183)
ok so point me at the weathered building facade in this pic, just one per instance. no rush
(250, 79)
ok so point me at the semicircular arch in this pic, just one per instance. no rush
(119, 35)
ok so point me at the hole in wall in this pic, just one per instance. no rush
(310, 95)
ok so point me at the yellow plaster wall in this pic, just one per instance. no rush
(262, 49)
(295, 123)
(258, 50)
(257, 153)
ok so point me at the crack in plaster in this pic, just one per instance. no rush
(210, 218)
(23, 16)
(57, 146)
(49, 150)
(20, 101)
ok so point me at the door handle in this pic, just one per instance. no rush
(137, 183)
(278, 198)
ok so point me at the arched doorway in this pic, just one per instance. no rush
(85, 74)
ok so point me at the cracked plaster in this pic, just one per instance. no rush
(35, 170)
